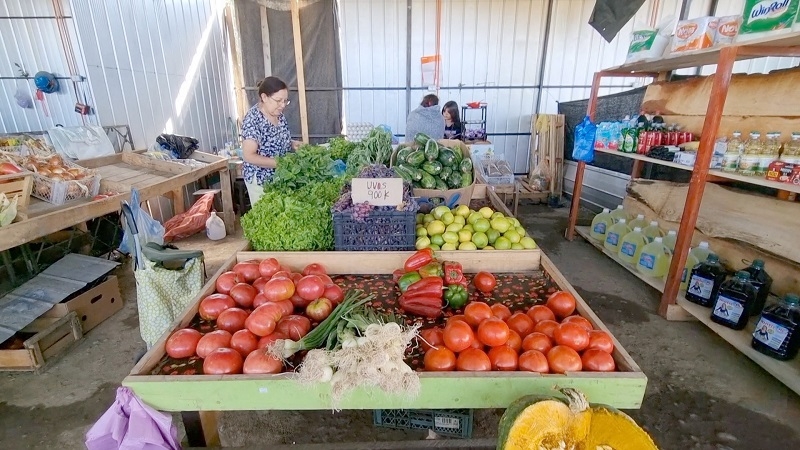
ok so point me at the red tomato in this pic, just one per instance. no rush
(514, 341)
(520, 323)
(244, 342)
(457, 317)
(503, 358)
(563, 359)
(493, 332)
(294, 326)
(546, 327)
(259, 299)
(278, 289)
(310, 287)
(484, 282)
(333, 293)
(269, 267)
(259, 284)
(260, 361)
(538, 313)
(212, 341)
(458, 335)
(183, 343)
(319, 309)
(248, 271)
(431, 337)
(223, 361)
(243, 294)
(582, 321)
(477, 312)
(287, 307)
(537, 341)
(440, 359)
(476, 344)
(501, 311)
(226, 281)
(211, 306)
(282, 274)
(7, 168)
(295, 277)
(232, 319)
(533, 361)
(325, 278)
(595, 360)
(600, 340)
(261, 321)
(473, 360)
(299, 302)
(314, 269)
(270, 338)
(572, 335)
(562, 303)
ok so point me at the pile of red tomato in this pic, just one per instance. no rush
(546, 339)
(255, 304)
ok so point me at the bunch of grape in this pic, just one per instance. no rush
(377, 171)
(361, 211)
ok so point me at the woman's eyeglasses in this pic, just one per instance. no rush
(284, 102)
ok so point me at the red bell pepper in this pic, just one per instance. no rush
(418, 259)
(425, 306)
(453, 272)
(432, 269)
(397, 274)
(426, 287)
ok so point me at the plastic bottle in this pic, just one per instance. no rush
(777, 333)
(760, 280)
(734, 301)
(654, 259)
(630, 249)
(652, 231)
(638, 222)
(791, 151)
(669, 240)
(771, 151)
(695, 257)
(600, 225)
(615, 234)
(751, 158)
(705, 280)
(733, 151)
(619, 213)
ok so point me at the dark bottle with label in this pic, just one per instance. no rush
(733, 302)
(705, 281)
(777, 333)
(760, 280)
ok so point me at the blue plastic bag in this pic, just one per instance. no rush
(583, 149)
(149, 229)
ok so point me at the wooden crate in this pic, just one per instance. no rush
(547, 145)
(53, 338)
(20, 185)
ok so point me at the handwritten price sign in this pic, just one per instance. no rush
(378, 191)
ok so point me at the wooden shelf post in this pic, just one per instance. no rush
(301, 77)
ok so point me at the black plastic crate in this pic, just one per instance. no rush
(447, 422)
(381, 231)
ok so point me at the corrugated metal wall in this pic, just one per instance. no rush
(154, 65)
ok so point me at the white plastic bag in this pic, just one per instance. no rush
(81, 142)
(149, 229)
(215, 227)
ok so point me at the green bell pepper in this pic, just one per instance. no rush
(432, 269)
(456, 296)
(407, 280)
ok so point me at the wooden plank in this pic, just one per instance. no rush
(234, 43)
(147, 162)
(298, 61)
(208, 421)
(178, 202)
(95, 163)
(228, 214)
(265, 42)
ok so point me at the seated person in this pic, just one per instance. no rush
(453, 128)
(425, 119)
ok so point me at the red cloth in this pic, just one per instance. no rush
(191, 222)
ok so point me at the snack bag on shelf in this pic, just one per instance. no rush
(695, 34)
(727, 29)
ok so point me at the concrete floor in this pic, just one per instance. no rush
(701, 392)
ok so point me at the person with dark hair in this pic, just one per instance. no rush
(425, 119)
(265, 136)
(453, 128)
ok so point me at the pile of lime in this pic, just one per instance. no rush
(462, 228)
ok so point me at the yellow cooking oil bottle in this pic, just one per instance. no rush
(670, 239)
(601, 224)
(638, 222)
(615, 234)
(655, 258)
(631, 246)
(696, 256)
(652, 231)
(619, 213)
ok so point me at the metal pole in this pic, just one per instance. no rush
(547, 24)
(408, 57)
(32, 17)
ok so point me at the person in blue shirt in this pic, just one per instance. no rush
(453, 128)
(425, 119)
(265, 136)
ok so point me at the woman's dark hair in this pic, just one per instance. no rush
(270, 86)
(452, 108)
(430, 100)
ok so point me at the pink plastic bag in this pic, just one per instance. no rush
(129, 424)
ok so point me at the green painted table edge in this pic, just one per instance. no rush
(623, 390)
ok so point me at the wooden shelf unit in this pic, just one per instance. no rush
(787, 372)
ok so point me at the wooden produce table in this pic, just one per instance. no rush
(119, 173)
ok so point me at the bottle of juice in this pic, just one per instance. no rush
(669, 240)
(655, 258)
(600, 225)
(771, 151)
(777, 333)
(652, 231)
(695, 257)
(630, 249)
(734, 149)
(751, 158)
(638, 222)
(615, 234)
(735, 299)
(619, 213)
(760, 280)
(791, 151)
(705, 280)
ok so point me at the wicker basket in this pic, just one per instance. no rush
(18, 185)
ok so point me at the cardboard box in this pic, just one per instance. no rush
(695, 34)
(93, 306)
(464, 195)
